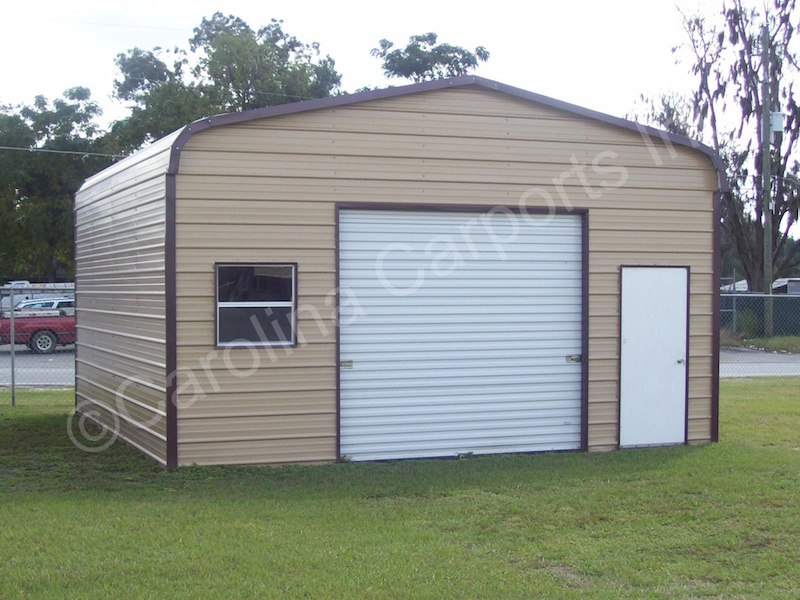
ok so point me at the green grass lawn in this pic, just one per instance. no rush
(713, 521)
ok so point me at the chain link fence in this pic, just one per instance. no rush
(40, 321)
(759, 335)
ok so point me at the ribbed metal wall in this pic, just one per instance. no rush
(456, 331)
(120, 229)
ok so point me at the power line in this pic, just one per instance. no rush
(62, 152)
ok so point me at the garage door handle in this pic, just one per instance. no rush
(574, 358)
(681, 361)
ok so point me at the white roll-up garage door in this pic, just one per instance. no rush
(460, 333)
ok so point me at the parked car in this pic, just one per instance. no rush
(64, 305)
(42, 333)
(25, 290)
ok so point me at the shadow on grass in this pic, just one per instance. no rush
(37, 454)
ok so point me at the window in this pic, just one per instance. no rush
(256, 304)
(43, 304)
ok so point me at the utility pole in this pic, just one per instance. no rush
(766, 179)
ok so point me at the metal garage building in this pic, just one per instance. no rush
(439, 269)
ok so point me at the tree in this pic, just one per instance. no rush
(14, 133)
(235, 68)
(37, 185)
(160, 100)
(729, 60)
(672, 112)
(423, 60)
(260, 68)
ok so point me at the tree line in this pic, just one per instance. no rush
(746, 63)
(230, 66)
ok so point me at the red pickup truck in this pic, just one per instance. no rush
(41, 332)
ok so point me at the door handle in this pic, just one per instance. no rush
(681, 361)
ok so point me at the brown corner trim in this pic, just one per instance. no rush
(688, 352)
(716, 281)
(170, 288)
(585, 331)
(619, 358)
(76, 345)
(338, 338)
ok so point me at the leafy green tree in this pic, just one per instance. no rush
(425, 60)
(252, 69)
(728, 61)
(160, 98)
(672, 112)
(14, 133)
(37, 186)
(235, 68)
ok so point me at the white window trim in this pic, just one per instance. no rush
(292, 304)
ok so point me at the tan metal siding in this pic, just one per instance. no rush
(268, 450)
(120, 219)
(427, 169)
(266, 191)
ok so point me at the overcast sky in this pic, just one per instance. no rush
(598, 54)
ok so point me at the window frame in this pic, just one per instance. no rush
(292, 304)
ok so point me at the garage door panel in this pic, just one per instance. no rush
(499, 313)
(455, 404)
(463, 421)
(474, 354)
(434, 361)
(486, 432)
(444, 288)
(472, 350)
(443, 445)
(551, 392)
(422, 384)
(491, 266)
(410, 339)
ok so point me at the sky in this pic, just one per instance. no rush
(600, 54)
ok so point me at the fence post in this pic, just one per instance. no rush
(734, 316)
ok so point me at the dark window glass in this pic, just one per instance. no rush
(255, 325)
(255, 283)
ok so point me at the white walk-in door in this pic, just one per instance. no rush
(653, 368)
(459, 333)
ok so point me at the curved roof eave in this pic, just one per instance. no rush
(160, 145)
(182, 135)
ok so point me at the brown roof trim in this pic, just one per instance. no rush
(440, 84)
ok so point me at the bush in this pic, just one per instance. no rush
(749, 324)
